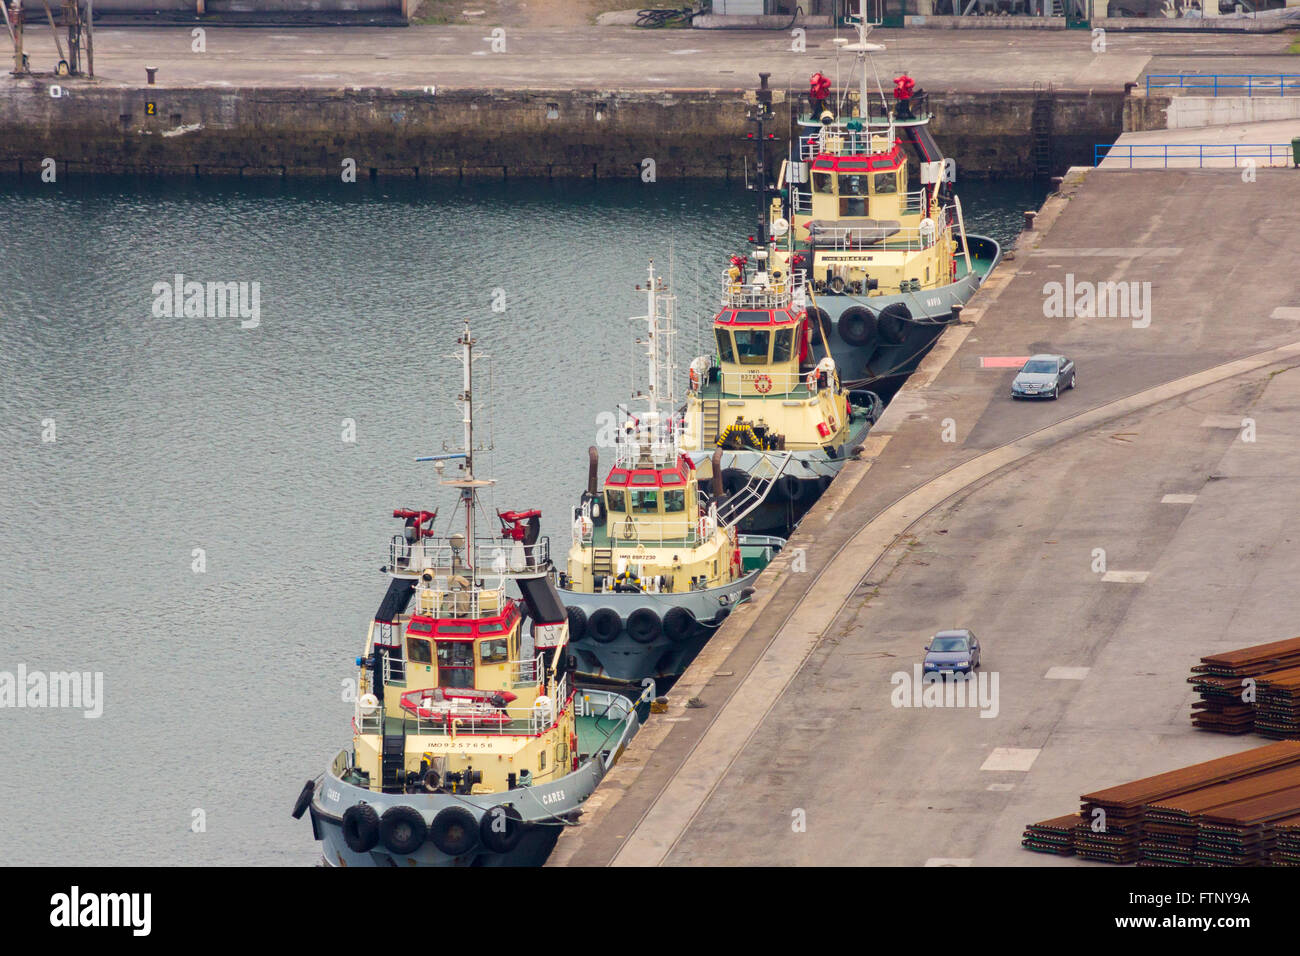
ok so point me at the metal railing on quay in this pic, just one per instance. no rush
(1256, 84)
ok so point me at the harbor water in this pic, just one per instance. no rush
(197, 506)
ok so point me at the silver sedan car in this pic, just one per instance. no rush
(1043, 376)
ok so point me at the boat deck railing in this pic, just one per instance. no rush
(778, 384)
(630, 531)
(801, 201)
(910, 239)
(486, 563)
(494, 722)
(772, 294)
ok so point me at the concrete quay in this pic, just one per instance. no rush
(1098, 545)
(556, 102)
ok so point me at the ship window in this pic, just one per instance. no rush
(455, 629)
(783, 345)
(724, 345)
(752, 346)
(541, 760)
(853, 185)
(455, 664)
(753, 318)
(645, 502)
(822, 183)
(494, 652)
(491, 628)
(674, 499)
(615, 500)
(419, 627)
(417, 651)
(886, 182)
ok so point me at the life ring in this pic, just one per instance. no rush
(304, 799)
(763, 384)
(360, 827)
(679, 623)
(454, 831)
(604, 625)
(402, 829)
(811, 381)
(695, 380)
(501, 828)
(577, 622)
(643, 625)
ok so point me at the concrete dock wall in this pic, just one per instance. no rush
(476, 133)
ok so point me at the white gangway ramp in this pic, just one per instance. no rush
(761, 482)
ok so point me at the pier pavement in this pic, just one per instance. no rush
(1098, 545)
(583, 57)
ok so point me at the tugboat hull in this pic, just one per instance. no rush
(543, 808)
(664, 646)
(883, 364)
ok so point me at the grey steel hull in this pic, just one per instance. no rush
(546, 807)
(883, 366)
(627, 660)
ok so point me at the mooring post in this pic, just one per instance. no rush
(16, 16)
(90, 37)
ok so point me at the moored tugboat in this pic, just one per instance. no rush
(657, 561)
(885, 262)
(761, 395)
(471, 745)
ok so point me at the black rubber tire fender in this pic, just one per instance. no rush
(679, 623)
(819, 316)
(402, 829)
(787, 486)
(304, 799)
(644, 626)
(892, 322)
(454, 831)
(360, 827)
(733, 479)
(721, 616)
(857, 326)
(577, 622)
(604, 625)
(501, 828)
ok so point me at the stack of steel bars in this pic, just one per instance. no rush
(1226, 706)
(1052, 836)
(1242, 834)
(1174, 829)
(1110, 825)
(1277, 704)
(1287, 850)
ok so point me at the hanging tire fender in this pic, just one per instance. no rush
(360, 827)
(454, 831)
(402, 829)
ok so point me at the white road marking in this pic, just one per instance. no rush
(1125, 577)
(1001, 787)
(1177, 499)
(1066, 673)
(1222, 421)
(1010, 759)
(1287, 312)
(949, 861)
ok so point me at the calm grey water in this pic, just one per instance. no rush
(223, 689)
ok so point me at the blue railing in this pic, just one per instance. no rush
(1256, 84)
(1195, 154)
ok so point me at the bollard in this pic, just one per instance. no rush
(1057, 182)
(1029, 220)
(956, 315)
(151, 72)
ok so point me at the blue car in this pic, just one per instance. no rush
(952, 652)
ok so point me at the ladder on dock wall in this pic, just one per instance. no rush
(1042, 129)
(710, 421)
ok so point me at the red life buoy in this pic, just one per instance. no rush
(695, 380)
(763, 383)
(811, 381)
